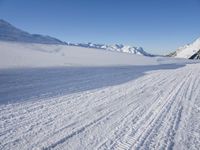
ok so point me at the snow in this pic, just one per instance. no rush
(154, 107)
(30, 55)
(44, 55)
(188, 50)
(10, 33)
(115, 47)
(68, 97)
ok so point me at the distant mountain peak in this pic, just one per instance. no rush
(10, 33)
(114, 47)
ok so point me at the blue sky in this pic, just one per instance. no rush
(159, 26)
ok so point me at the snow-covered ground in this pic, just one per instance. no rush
(103, 108)
(29, 55)
(14, 55)
(62, 97)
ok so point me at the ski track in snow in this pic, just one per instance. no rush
(160, 110)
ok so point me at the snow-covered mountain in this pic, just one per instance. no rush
(10, 33)
(114, 47)
(190, 51)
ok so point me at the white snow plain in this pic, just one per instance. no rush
(58, 97)
(14, 55)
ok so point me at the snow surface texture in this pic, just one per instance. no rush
(188, 50)
(157, 109)
(96, 99)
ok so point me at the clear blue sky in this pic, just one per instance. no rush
(157, 25)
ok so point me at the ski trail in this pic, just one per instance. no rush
(159, 110)
(141, 125)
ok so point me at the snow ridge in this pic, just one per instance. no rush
(188, 50)
(114, 47)
(10, 33)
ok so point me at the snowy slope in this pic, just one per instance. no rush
(10, 33)
(115, 47)
(158, 109)
(121, 101)
(14, 54)
(28, 55)
(188, 50)
(57, 96)
(196, 55)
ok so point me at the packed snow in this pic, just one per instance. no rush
(67, 97)
(101, 108)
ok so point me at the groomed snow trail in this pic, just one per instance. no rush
(160, 110)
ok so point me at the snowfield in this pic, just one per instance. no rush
(61, 97)
(15, 55)
(157, 110)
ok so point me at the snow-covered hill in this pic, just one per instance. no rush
(115, 47)
(188, 51)
(10, 33)
(17, 55)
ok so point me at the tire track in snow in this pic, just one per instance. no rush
(140, 131)
(135, 115)
(49, 110)
(146, 113)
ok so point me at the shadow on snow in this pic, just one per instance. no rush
(25, 84)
